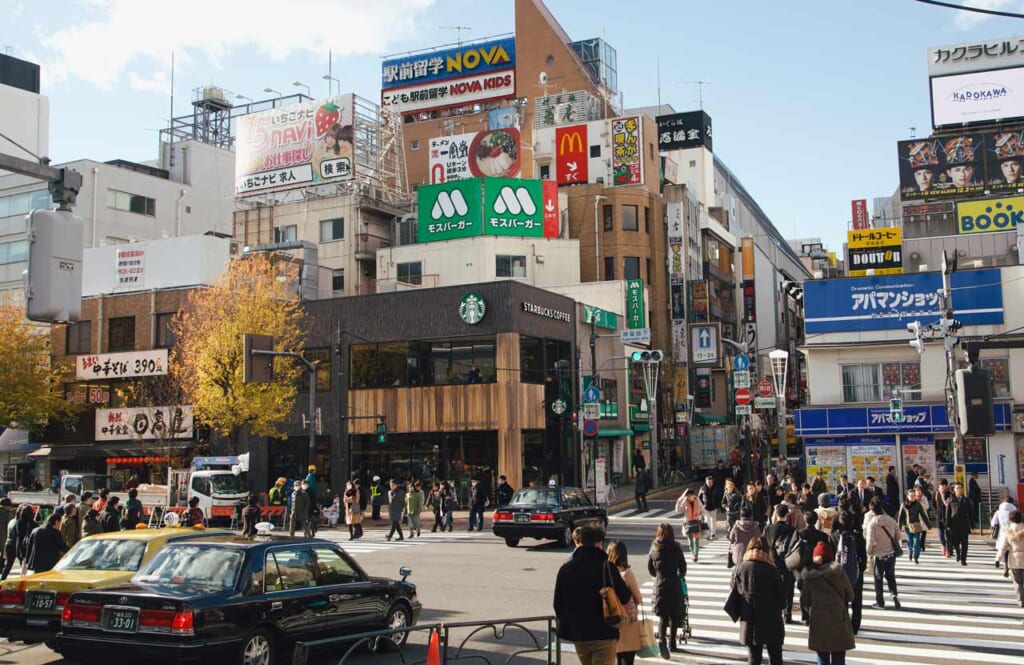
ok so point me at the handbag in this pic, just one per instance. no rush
(614, 612)
(692, 527)
(648, 645)
(896, 549)
(735, 605)
(915, 527)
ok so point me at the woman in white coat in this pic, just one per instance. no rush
(1002, 520)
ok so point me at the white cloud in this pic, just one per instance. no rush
(124, 32)
(158, 81)
(969, 20)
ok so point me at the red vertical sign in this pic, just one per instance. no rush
(859, 209)
(551, 217)
(571, 154)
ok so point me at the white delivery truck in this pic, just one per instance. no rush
(72, 483)
(220, 483)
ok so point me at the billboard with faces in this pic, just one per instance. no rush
(935, 168)
(1004, 159)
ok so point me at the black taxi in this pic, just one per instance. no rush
(546, 513)
(234, 599)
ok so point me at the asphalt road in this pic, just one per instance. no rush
(460, 577)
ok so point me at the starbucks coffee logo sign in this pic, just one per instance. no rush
(472, 308)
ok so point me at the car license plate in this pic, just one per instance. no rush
(121, 619)
(42, 600)
(522, 517)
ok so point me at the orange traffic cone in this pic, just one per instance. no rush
(434, 649)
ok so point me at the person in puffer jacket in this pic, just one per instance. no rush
(1013, 551)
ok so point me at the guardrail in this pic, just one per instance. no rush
(476, 646)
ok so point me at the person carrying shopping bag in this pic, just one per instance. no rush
(629, 630)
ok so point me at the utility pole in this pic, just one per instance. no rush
(950, 341)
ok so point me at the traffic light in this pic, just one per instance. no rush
(654, 356)
(382, 430)
(914, 328)
(974, 402)
(53, 281)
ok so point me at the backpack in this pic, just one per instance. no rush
(799, 555)
(846, 556)
(781, 548)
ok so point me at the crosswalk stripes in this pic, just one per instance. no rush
(374, 541)
(951, 615)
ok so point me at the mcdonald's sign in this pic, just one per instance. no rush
(571, 155)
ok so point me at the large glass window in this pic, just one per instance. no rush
(631, 267)
(121, 334)
(999, 371)
(322, 359)
(288, 233)
(410, 273)
(629, 219)
(13, 252)
(79, 338)
(338, 280)
(141, 205)
(332, 229)
(878, 382)
(539, 359)
(423, 363)
(609, 267)
(165, 337)
(510, 266)
(609, 224)
(20, 204)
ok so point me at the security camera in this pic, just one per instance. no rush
(542, 78)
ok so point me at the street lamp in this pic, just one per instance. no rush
(300, 84)
(276, 92)
(241, 96)
(780, 364)
(329, 79)
(597, 239)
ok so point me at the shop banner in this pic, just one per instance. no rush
(144, 423)
(130, 264)
(989, 215)
(871, 461)
(449, 211)
(514, 208)
(627, 156)
(479, 154)
(891, 302)
(879, 249)
(922, 454)
(121, 365)
(295, 146)
(635, 315)
(448, 64)
(829, 461)
(552, 215)
(680, 131)
(977, 97)
(941, 168)
(873, 420)
(859, 212)
(571, 155)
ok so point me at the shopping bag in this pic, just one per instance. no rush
(735, 605)
(648, 645)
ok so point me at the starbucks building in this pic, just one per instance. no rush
(472, 381)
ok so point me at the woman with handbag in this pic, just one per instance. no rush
(826, 592)
(913, 519)
(693, 513)
(667, 564)
(1012, 552)
(629, 630)
(759, 583)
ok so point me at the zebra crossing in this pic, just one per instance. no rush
(375, 541)
(951, 615)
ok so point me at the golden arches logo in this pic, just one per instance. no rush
(575, 141)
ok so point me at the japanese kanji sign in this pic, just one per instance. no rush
(891, 302)
(131, 267)
(449, 158)
(627, 155)
(144, 423)
(449, 210)
(635, 313)
(121, 365)
(495, 153)
(295, 146)
(571, 155)
(684, 130)
(468, 73)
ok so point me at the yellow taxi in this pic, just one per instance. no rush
(30, 607)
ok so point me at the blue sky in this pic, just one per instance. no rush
(808, 97)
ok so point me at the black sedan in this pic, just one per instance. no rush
(234, 599)
(546, 513)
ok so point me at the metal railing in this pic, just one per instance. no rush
(477, 645)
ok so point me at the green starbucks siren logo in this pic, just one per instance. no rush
(472, 308)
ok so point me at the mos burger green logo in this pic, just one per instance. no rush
(472, 308)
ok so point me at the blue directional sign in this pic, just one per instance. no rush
(705, 344)
(741, 363)
(591, 395)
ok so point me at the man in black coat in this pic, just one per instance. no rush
(640, 490)
(111, 518)
(719, 473)
(45, 546)
(958, 521)
(892, 492)
(781, 537)
(578, 603)
(974, 494)
(504, 492)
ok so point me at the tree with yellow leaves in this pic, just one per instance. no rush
(207, 361)
(29, 383)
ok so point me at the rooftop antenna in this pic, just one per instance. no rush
(658, 70)
(458, 29)
(700, 91)
(913, 132)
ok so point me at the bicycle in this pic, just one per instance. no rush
(671, 476)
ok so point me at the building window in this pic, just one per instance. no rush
(21, 204)
(878, 382)
(414, 144)
(693, 163)
(595, 151)
(541, 360)
(165, 337)
(609, 219)
(647, 220)
(407, 231)
(332, 229)
(416, 363)
(121, 334)
(609, 268)
(629, 221)
(545, 172)
(410, 273)
(322, 359)
(141, 205)
(631, 267)
(286, 233)
(79, 338)
(648, 275)
(999, 372)
(13, 252)
(510, 266)
(338, 281)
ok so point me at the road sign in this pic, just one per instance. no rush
(742, 396)
(765, 388)
(591, 411)
(741, 363)
(743, 410)
(896, 410)
(705, 343)
(741, 379)
(764, 403)
(635, 336)
(590, 427)
(591, 395)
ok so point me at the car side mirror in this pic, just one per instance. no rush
(405, 571)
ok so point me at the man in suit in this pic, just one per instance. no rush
(892, 491)
(844, 486)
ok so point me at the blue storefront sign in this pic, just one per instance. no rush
(848, 421)
(885, 440)
(890, 302)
